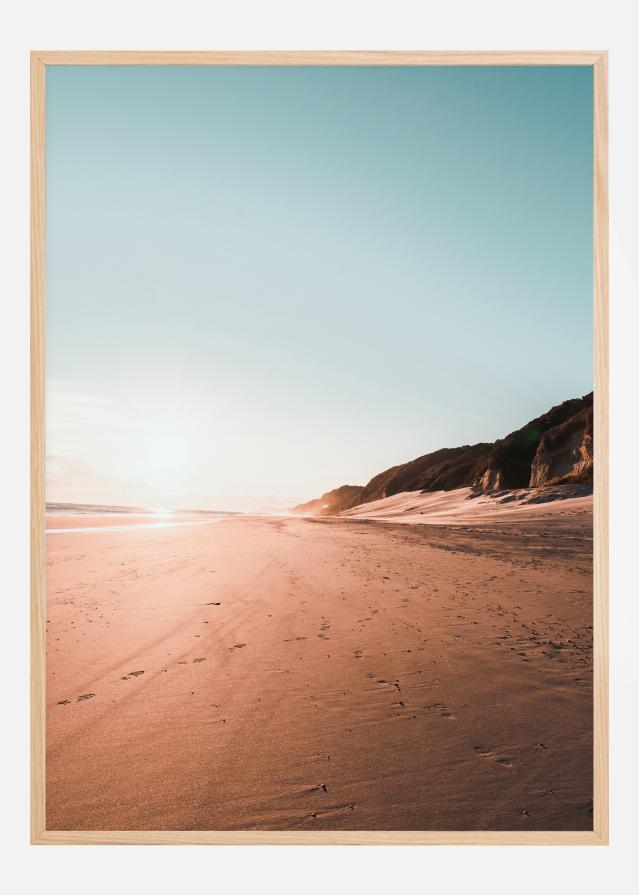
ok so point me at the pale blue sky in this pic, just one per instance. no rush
(272, 281)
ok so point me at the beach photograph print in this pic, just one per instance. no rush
(319, 448)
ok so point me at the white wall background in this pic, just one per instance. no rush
(331, 24)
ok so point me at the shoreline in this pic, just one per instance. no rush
(82, 528)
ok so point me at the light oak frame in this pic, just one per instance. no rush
(598, 61)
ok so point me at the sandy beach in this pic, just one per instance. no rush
(312, 674)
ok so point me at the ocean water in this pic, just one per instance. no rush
(110, 516)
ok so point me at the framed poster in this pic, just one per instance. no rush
(319, 524)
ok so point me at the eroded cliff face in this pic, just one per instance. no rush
(490, 480)
(565, 453)
(552, 449)
(539, 452)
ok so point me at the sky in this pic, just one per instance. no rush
(265, 282)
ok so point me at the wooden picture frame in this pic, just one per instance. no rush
(597, 61)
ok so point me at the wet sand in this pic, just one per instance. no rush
(292, 674)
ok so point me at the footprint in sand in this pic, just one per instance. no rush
(64, 702)
(132, 674)
(321, 788)
(502, 761)
(85, 696)
(236, 646)
(203, 659)
(440, 708)
(328, 811)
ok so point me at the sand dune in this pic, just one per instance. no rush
(463, 506)
(320, 674)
